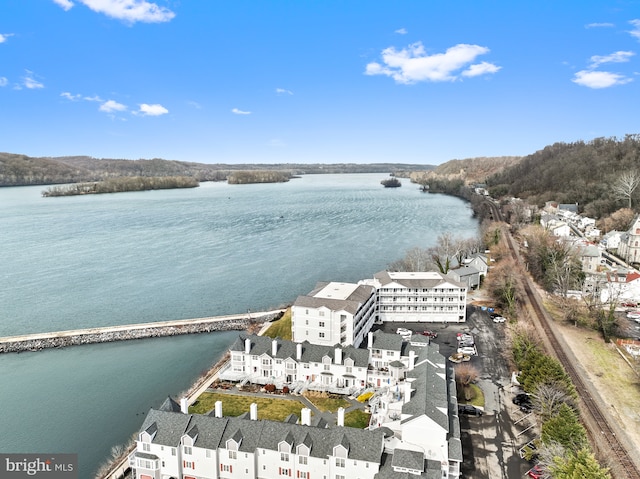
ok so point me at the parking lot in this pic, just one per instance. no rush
(490, 442)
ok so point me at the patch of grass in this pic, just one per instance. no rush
(276, 409)
(477, 396)
(356, 418)
(325, 403)
(281, 328)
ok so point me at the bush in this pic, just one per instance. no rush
(270, 388)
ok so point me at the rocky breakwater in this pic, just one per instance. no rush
(60, 339)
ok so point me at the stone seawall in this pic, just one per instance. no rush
(37, 342)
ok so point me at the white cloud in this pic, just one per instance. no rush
(240, 112)
(401, 31)
(413, 64)
(31, 83)
(4, 36)
(282, 91)
(599, 25)
(152, 110)
(482, 68)
(129, 11)
(616, 57)
(593, 79)
(636, 29)
(111, 106)
(194, 104)
(65, 4)
(4, 81)
(93, 98)
(69, 96)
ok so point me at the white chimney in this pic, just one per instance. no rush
(340, 416)
(299, 351)
(412, 359)
(247, 346)
(370, 340)
(218, 409)
(274, 347)
(306, 416)
(407, 392)
(338, 357)
(184, 406)
(253, 411)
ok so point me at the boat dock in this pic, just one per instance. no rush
(60, 339)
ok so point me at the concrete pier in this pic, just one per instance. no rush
(59, 339)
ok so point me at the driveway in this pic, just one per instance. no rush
(490, 443)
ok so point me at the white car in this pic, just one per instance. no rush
(499, 319)
(404, 332)
(470, 350)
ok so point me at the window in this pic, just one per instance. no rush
(321, 324)
(173, 451)
(321, 335)
(233, 455)
(303, 474)
(339, 461)
(343, 317)
(349, 369)
(208, 453)
(226, 468)
(327, 367)
(338, 476)
(189, 465)
(146, 447)
(284, 456)
(321, 313)
(302, 460)
(187, 450)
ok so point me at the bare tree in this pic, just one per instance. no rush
(548, 398)
(626, 184)
(465, 375)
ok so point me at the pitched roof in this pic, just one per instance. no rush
(386, 341)
(311, 353)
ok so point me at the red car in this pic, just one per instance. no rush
(430, 334)
(535, 472)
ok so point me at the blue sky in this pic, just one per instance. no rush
(308, 81)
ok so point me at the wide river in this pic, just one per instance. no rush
(75, 262)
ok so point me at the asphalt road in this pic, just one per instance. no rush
(490, 443)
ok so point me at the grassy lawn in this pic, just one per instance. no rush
(324, 403)
(281, 328)
(356, 418)
(275, 409)
(478, 397)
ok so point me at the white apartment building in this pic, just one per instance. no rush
(262, 360)
(418, 297)
(334, 313)
(175, 445)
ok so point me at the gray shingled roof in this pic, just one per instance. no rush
(311, 353)
(386, 341)
(351, 304)
(409, 459)
(170, 405)
(214, 432)
(417, 282)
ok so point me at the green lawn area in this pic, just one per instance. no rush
(356, 418)
(274, 409)
(281, 328)
(478, 397)
(327, 404)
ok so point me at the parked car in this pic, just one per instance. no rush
(535, 472)
(464, 337)
(405, 333)
(471, 350)
(521, 398)
(469, 410)
(459, 357)
(430, 334)
(499, 319)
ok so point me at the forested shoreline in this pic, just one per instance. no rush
(118, 185)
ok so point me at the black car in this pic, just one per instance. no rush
(522, 398)
(469, 410)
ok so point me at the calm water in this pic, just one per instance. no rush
(74, 262)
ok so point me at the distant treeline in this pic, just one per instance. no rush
(22, 170)
(258, 176)
(116, 185)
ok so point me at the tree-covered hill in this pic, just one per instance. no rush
(586, 173)
(21, 170)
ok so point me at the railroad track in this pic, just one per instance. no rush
(598, 424)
